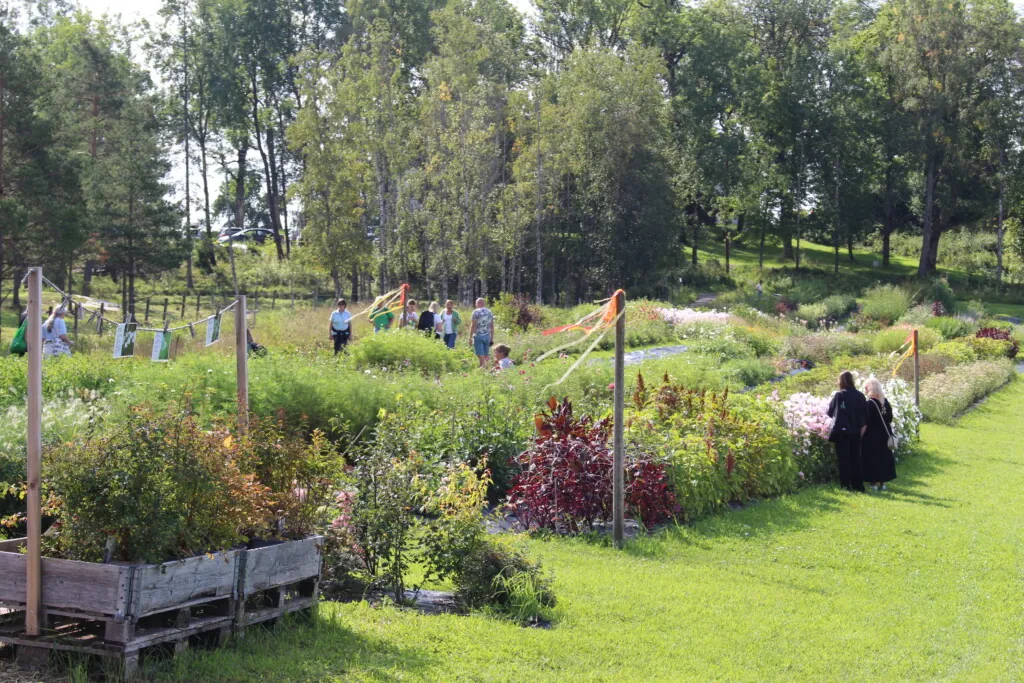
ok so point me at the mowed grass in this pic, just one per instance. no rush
(921, 583)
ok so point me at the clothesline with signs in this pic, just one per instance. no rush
(85, 302)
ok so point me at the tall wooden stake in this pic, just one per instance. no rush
(242, 363)
(34, 332)
(619, 477)
(917, 373)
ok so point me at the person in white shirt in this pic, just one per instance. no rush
(341, 326)
(411, 316)
(55, 335)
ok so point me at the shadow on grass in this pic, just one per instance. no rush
(299, 650)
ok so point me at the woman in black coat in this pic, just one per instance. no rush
(848, 410)
(877, 460)
(428, 321)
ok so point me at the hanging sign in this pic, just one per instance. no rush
(124, 340)
(161, 347)
(213, 330)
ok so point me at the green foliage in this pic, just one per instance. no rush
(951, 328)
(390, 486)
(407, 349)
(831, 307)
(989, 349)
(823, 348)
(749, 372)
(959, 351)
(158, 486)
(936, 291)
(917, 316)
(886, 303)
(888, 341)
(496, 574)
(945, 396)
(722, 448)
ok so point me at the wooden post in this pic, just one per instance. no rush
(184, 300)
(293, 299)
(34, 448)
(242, 364)
(76, 309)
(146, 315)
(166, 301)
(99, 320)
(917, 373)
(619, 476)
(198, 299)
(273, 300)
(316, 295)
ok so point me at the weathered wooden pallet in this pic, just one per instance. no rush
(170, 631)
(277, 579)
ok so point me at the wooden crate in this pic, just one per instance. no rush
(119, 610)
(278, 579)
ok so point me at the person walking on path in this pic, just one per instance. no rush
(760, 290)
(481, 332)
(428, 321)
(55, 335)
(848, 411)
(341, 326)
(449, 324)
(877, 460)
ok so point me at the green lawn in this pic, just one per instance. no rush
(921, 583)
(745, 257)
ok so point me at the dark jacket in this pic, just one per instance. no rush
(849, 410)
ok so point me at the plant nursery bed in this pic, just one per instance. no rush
(122, 611)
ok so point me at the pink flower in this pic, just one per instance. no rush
(611, 387)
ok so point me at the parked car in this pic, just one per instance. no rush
(258, 235)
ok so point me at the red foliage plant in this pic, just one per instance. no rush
(565, 483)
(1002, 335)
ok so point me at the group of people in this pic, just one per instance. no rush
(440, 324)
(862, 434)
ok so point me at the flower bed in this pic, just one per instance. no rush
(948, 394)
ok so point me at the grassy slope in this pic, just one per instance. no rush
(921, 583)
(745, 256)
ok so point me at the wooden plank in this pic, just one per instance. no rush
(66, 584)
(261, 614)
(165, 586)
(12, 545)
(280, 564)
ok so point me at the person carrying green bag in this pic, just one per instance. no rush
(19, 345)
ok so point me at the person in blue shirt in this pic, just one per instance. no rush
(341, 326)
(55, 335)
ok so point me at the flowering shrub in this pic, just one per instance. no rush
(682, 316)
(566, 478)
(905, 415)
(806, 417)
(957, 351)
(989, 348)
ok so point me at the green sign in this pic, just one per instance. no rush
(161, 347)
(124, 340)
(213, 330)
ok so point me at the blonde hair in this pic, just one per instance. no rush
(432, 307)
(873, 389)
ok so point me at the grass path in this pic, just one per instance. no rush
(922, 583)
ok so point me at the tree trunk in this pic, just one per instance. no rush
(539, 208)
(835, 236)
(999, 222)
(696, 237)
(929, 239)
(269, 169)
(355, 285)
(888, 218)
